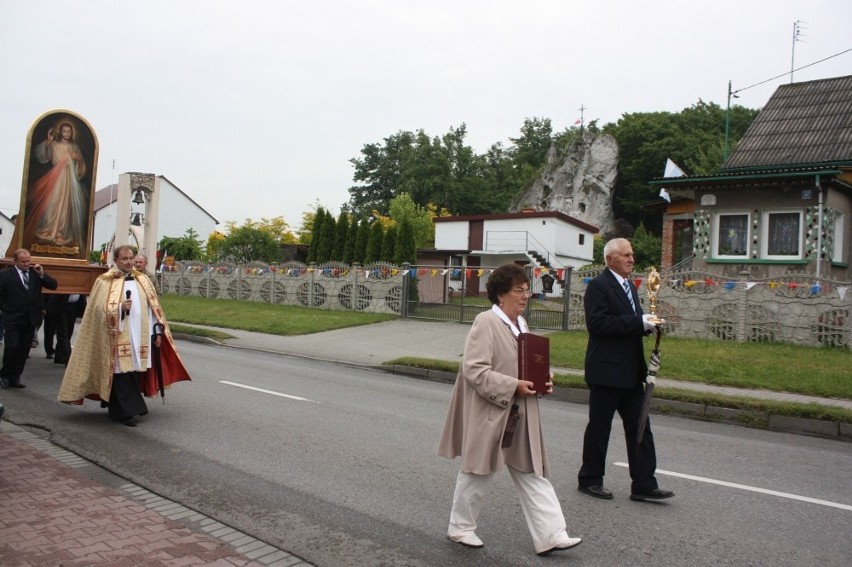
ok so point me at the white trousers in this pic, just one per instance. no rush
(538, 501)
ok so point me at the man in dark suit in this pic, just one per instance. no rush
(21, 302)
(61, 311)
(615, 372)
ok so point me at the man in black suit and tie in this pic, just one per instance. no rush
(21, 302)
(615, 372)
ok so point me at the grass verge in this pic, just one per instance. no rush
(822, 372)
(262, 317)
(744, 403)
(199, 332)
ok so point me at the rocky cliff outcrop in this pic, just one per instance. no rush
(580, 184)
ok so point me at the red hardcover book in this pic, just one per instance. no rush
(534, 360)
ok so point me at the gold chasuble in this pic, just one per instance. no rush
(104, 344)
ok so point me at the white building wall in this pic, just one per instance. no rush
(451, 235)
(568, 247)
(7, 227)
(177, 214)
(104, 226)
(518, 236)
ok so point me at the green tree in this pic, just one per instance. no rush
(442, 170)
(248, 244)
(186, 247)
(501, 177)
(277, 227)
(351, 240)
(325, 246)
(363, 237)
(341, 231)
(379, 172)
(647, 249)
(213, 250)
(403, 208)
(445, 171)
(529, 151)
(315, 234)
(388, 244)
(646, 140)
(373, 252)
(598, 255)
(406, 245)
(307, 227)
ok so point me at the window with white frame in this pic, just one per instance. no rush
(731, 235)
(781, 237)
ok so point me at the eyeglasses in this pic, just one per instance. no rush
(522, 291)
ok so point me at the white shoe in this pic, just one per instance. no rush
(468, 539)
(564, 543)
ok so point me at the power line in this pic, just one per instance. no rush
(789, 72)
(734, 93)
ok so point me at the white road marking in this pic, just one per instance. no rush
(752, 489)
(267, 391)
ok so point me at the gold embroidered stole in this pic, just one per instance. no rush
(122, 347)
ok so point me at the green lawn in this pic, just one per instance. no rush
(812, 371)
(805, 370)
(262, 317)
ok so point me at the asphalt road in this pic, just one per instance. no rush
(336, 464)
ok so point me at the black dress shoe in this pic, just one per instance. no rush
(655, 494)
(129, 422)
(18, 385)
(49, 356)
(596, 491)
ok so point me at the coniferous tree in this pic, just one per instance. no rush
(341, 230)
(374, 243)
(351, 239)
(361, 240)
(406, 246)
(406, 251)
(389, 244)
(327, 244)
(316, 234)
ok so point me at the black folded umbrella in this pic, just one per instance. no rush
(649, 392)
(159, 331)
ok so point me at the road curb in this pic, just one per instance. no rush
(692, 410)
(702, 412)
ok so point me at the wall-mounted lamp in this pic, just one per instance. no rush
(136, 219)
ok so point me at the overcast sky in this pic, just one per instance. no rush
(254, 108)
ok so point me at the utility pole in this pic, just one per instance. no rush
(731, 94)
(582, 109)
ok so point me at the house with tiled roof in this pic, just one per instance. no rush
(782, 202)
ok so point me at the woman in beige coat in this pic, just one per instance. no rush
(485, 394)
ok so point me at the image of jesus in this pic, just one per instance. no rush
(59, 205)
